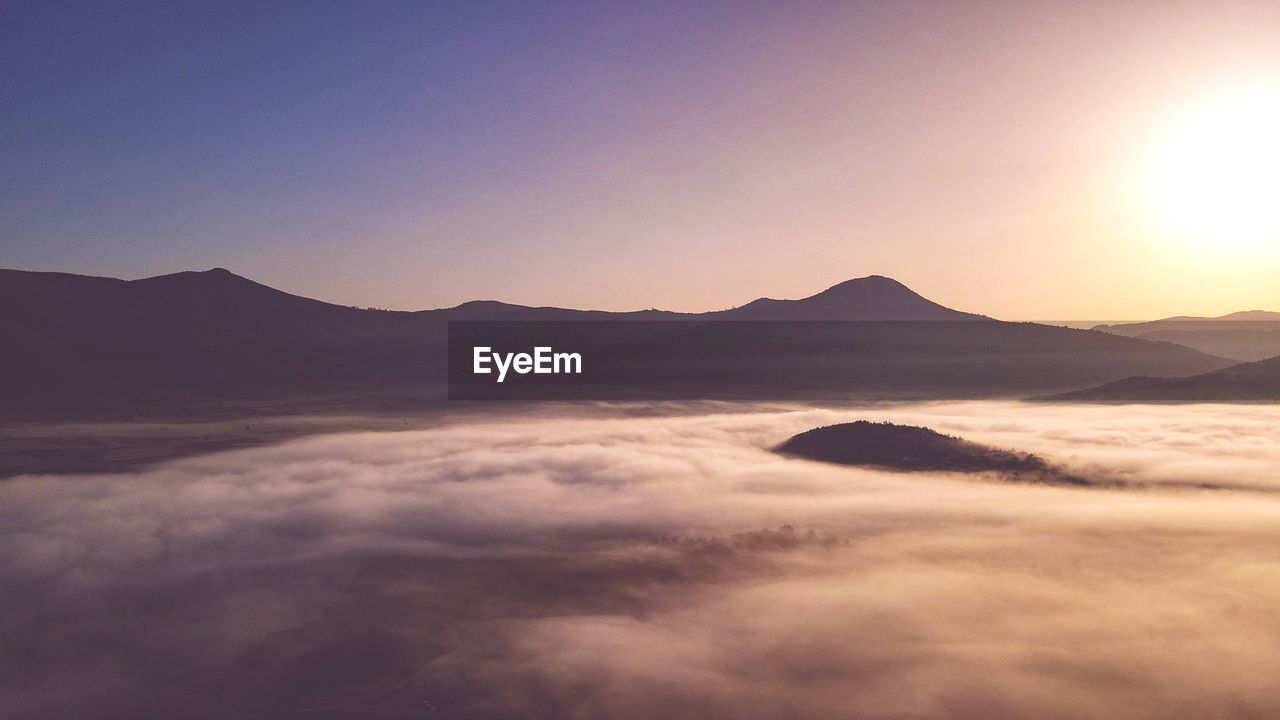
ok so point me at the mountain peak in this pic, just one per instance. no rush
(869, 280)
(217, 277)
(871, 284)
(873, 297)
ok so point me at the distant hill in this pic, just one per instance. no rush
(1248, 382)
(89, 345)
(1244, 336)
(1243, 315)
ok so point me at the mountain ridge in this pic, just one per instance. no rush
(872, 297)
(86, 344)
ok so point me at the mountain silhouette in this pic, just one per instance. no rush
(1247, 382)
(78, 344)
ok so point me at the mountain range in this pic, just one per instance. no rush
(1242, 316)
(103, 346)
(871, 298)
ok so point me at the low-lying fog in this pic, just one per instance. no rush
(638, 567)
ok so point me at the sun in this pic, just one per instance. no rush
(1213, 175)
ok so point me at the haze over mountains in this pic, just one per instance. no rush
(91, 344)
(1243, 315)
(1245, 336)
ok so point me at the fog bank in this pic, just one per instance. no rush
(665, 566)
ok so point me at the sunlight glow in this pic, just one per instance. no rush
(1213, 176)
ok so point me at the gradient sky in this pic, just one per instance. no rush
(689, 156)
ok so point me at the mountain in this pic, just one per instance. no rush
(85, 342)
(869, 298)
(79, 345)
(1241, 336)
(1248, 382)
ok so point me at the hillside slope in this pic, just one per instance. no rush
(1248, 382)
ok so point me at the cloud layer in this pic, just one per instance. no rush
(665, 566)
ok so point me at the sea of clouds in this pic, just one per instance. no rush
(566, 564)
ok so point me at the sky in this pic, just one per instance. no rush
(997, 157)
